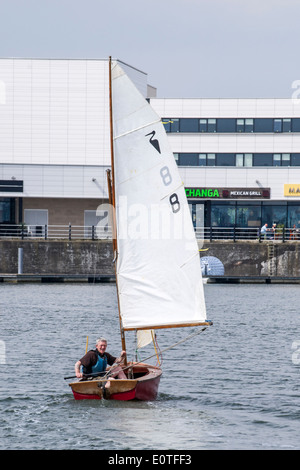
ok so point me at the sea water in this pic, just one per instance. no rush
(233, 386)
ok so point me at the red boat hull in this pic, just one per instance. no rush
(144, 388)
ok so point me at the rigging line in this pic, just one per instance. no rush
(153, 335)
(190, 258)
(146, 170)
(137, 129)
(172, 191)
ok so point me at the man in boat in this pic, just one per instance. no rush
(97, 360)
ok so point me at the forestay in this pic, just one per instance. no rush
(158, 266)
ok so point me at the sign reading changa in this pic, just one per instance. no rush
(224, 193)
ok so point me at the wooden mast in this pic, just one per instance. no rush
(112, 201)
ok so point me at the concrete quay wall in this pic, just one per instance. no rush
(86, 257)
(56, 257)
(251, 258)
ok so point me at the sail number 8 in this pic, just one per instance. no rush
(167, 179)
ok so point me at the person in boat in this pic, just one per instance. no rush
(97, 360)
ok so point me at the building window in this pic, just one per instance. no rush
(249, 125)
(211, 125)
(189, 125)
(244, 159)
(251, 215)
(167, 124)
(207, 159)
(240, 125)
(237, 159)
(211, 159)
(263, 159)
(230, 125)
(286, 125)
(189, 159)
(244, 125)
(263, 125)
(202, 159)
(223, 215)
(226, 159)
(7, 210)
(277, 159)
(277, 125)
(171, 124)
(248, 215)
(295, 159)
(226, 125)
(283, 159)
(203, 125)
(296, 125)
(293, 218)
(274, 213)
(248, 159)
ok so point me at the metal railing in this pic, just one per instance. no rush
(92, 232)
(247, 233)
(57, 232)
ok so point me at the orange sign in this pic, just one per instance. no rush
(292, 190)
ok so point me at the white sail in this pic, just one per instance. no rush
(158, 266)
(144, 337)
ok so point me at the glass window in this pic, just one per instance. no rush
(286, 125)
(226, 159)
(294, 216)
(176, 157)
(226, 125)
(189, 125)
(274, 214)
(296, 125)
(262, 159)
(7, 210)
(239, 159)
(295, 160)
(248, 216)
(223, 215)
(174, 125)
(167, 124)
(203, 125)
(240, 125)
(244, 159)
(277, 159)
(211, 159)
(263, 125)
(202, 159)
(249, 126)
(189, 159)
(277, 125)
(285, 159)
(211, 125)
(248, 160)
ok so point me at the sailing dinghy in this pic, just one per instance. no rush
(157, 265)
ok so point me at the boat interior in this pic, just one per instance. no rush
(132, 371)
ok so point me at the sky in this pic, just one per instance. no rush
(188, 48)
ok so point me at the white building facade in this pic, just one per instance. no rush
(239, 158)
(54, 139)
